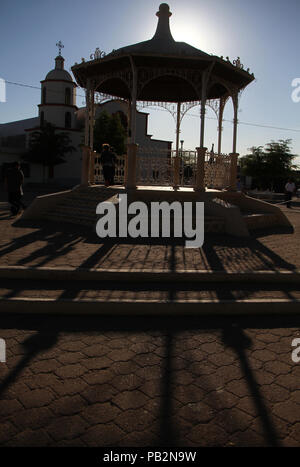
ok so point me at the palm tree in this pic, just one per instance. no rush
(48, 148)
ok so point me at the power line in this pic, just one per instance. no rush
(259, 125)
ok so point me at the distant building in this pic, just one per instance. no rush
(58, 98)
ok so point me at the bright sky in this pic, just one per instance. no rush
(263, 33)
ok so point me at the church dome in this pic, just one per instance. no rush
(59, 73)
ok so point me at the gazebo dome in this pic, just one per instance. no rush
(59, 73)
(184, 66)
(162, 42)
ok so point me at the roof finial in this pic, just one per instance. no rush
(60, 46)
(163, 27)
(164, 10)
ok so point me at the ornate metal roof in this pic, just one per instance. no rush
(167, 70)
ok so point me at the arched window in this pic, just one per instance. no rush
(68, 120)
(44, 96)
(42, 118)
(68, 96)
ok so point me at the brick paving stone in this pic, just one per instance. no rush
(36, 398)
(96, 363)
(248, 405)
(33, 418)
(103, 435)
(67, 427)
(295, 397)
(70, 371)
(277, 368)
(288, 411)
(30, 438)
(100, 413)
(7, 431)
(45, 366)
(135, 420)
(8, 407)
(69, 387)
(197, 412)
(68, 405)
(233, 420)
(99, 393)
(99, 377)
(130, 400)
(127, 382)
(207, 435)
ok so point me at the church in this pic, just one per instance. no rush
(58, 107)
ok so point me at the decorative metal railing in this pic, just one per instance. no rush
(119, 169)
(156, 167)
(217, 170)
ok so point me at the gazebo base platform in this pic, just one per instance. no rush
(224, 212)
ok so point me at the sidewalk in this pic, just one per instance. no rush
(148, 381)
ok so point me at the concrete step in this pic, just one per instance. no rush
(126, 298)
(260, 220)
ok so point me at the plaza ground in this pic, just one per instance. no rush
(148, 380)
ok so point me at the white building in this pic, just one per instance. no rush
(58, 107)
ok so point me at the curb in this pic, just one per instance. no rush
(156, 275)
(149, 308)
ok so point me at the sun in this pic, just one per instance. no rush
(200, 36)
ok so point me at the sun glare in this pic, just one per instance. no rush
(198, 35)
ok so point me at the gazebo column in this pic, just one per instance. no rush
(176, 162)
(200, 171)
(86, 154)
(132, 146)
(220, 124)
(91, 133)
(86, 149)
(234, 155)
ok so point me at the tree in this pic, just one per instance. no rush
(271, 167)
(48, 148)
(109, 129)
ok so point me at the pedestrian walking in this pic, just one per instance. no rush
(290, 189)
(13, 182)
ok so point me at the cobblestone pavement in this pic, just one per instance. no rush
(46, 244)
(100, 381)
(86, 381)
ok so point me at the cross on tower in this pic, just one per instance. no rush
(60, 46)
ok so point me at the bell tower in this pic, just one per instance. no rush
(58, 96)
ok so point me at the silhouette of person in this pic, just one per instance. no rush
(13, 182)
(108, 160)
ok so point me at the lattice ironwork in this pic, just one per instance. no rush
(217, 170)
(155, 167)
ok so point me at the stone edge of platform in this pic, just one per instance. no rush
(156, 275)
(149, 308)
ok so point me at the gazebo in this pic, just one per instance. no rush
(162, 70)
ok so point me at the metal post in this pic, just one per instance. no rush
(200, 171)
(132, 146)
(235, 121)
(220, 127)
(176, 165)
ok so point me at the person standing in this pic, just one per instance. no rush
(13, 182)
(108, 160)
(290, 189)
